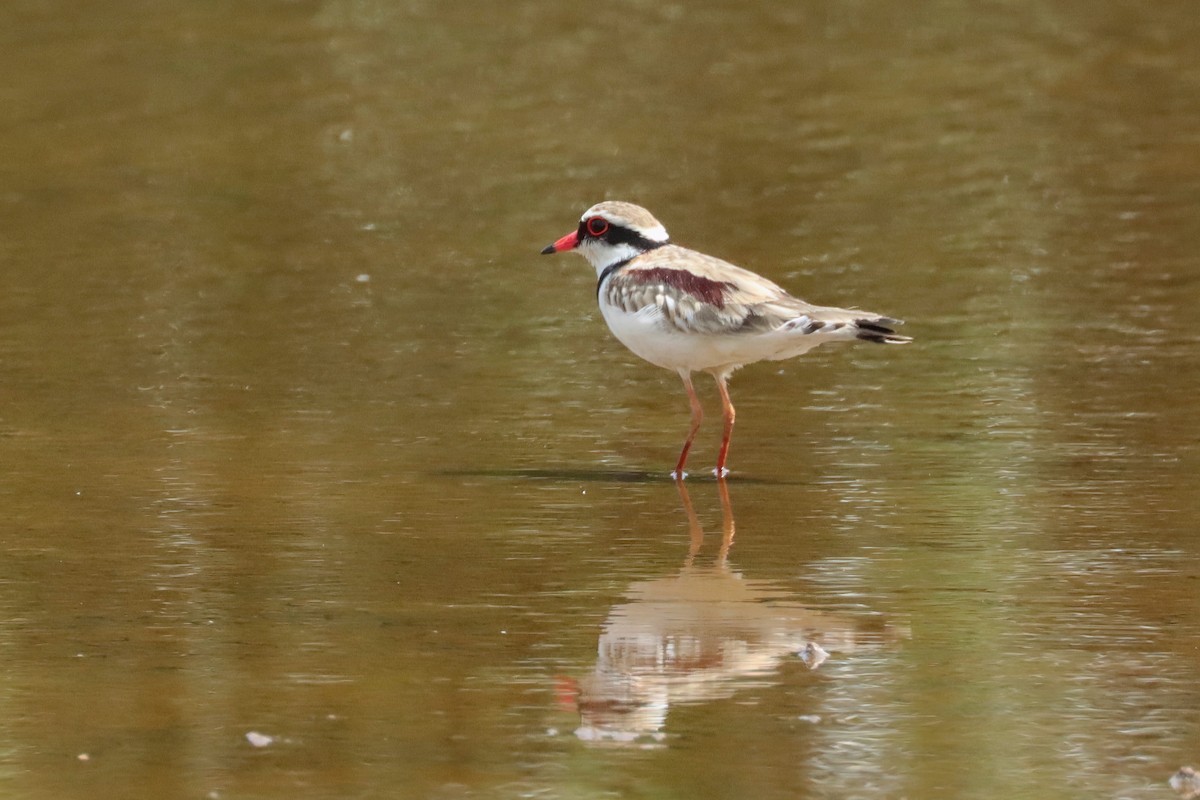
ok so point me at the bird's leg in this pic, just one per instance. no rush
(729, 414)
(697, 415)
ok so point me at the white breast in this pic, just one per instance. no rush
(643, 333)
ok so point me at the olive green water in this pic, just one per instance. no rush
(301, 438)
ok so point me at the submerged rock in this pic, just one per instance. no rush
(1187, 782)
(257, 739)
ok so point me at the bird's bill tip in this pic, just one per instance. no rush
(568, 242)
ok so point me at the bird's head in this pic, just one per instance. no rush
(611, 232)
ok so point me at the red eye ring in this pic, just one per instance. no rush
(597, 226)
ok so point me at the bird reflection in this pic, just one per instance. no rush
(697, 636)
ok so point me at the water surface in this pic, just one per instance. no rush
(302, 438)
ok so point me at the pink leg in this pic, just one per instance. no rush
(728, 413)
(697, 415)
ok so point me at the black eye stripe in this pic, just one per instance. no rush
(615, 234)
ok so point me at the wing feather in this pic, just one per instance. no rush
(696, 293)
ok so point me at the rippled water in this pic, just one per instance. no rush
(321, 482)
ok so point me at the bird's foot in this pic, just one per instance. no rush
(721, 473)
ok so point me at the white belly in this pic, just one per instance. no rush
(663, 344)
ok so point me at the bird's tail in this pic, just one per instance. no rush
(879, 330)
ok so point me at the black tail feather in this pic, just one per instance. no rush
(876, 330)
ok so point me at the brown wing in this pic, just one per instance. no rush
(696, 293)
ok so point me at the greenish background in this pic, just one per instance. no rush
(300, 436)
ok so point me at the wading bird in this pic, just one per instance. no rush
(690, 312)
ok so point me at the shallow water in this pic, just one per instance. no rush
(302, 438)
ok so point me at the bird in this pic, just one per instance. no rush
(688, 312)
